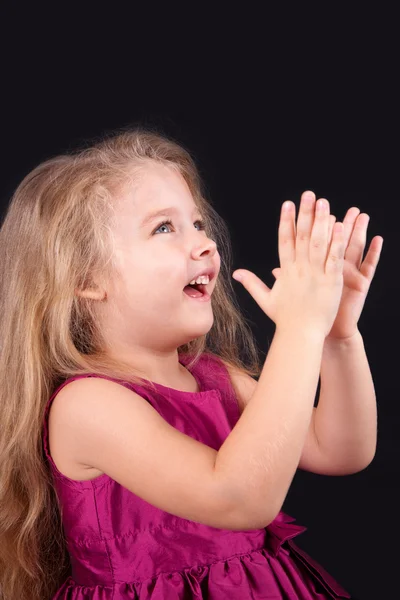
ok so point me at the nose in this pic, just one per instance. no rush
(205, 247)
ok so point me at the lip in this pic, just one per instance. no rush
(210, 272)
(205, 287)
(204, 298)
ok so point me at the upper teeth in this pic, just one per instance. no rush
(204, 279)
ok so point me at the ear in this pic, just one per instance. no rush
(276, 272)
(91, 293)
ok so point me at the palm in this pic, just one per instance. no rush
(357, 273)
(355, 290)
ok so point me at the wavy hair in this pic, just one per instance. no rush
(57, 236)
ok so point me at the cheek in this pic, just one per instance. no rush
(218, 260)
(167, 270)
(155, 276)
(154, 286)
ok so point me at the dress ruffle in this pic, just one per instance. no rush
(278, 571)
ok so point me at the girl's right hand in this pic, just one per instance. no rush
(309, 288)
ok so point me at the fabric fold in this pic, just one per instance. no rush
(124, 548)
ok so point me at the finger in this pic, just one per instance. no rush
(332, 220)
(286, 234)
(304, 226)
(255, 287)
(355, 249)
(348, 222)
(319, 242)
(371, 260)
(335, 260)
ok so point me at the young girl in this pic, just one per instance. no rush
(140, 458)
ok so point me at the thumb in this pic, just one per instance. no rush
(256, 288)
(276, 272)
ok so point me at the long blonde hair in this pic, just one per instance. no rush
(56, 236)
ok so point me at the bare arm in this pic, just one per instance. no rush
(260, 456)
(346, 416)
(244, 484)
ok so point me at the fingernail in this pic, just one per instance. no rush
(237, 276)
(287, 206)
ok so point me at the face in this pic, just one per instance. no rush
(157, 261)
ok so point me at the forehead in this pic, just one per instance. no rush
(157, 187)
(160, 183)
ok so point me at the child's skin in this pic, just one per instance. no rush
(344, 424)
(153, 315)
(316, 311)
(156, 264)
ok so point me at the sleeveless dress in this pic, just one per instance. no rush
(122, 547)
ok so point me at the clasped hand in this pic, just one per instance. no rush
(357, 273)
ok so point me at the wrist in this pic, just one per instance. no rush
(301, 332)
(347, 341)
(343, 344)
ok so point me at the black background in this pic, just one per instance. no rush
(269, 105)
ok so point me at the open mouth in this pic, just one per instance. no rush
(195, 291)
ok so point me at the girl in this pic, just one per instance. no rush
(140, 458)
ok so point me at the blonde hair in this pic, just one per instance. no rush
(56, 237)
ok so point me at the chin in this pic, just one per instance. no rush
(197, 332)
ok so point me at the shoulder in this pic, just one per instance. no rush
(82, 395)
(79, 401)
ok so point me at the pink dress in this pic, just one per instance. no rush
(122, 547)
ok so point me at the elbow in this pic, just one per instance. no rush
(267, 519)
(352, 467)
(367, 462)
(259, 517)
(249, 514)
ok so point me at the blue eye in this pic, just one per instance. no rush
(169, 222)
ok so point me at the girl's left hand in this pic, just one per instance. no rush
(357, 274)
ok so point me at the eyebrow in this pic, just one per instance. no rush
(165, 212)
